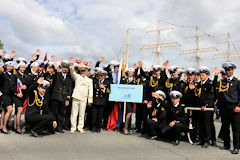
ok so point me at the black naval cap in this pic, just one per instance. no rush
(228, 66)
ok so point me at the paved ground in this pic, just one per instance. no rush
(104, 146)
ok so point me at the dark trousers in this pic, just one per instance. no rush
(230, 117)
(176, 130)
(58, 112)
(140, 115)
(88, 123)
(205, 126)
(97, 116)
(213, 130)
(153, 128)
(67, 115)
(107, 111)
(39, 122)
(195, 124)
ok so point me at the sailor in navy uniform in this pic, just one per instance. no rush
(38, 115)
(5, 78)
(141, 108)
(18, 87)
(173, 83)
(204, 93)
(158, 118)
(129, 78)
(230, 92)
(50, 76)
(101, 90)
(61, 94)
(176, 116)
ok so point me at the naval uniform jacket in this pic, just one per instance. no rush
(37, 105)
(100, 95)
(205, 94)
(62, 88)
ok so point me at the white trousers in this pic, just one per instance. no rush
(78, 108)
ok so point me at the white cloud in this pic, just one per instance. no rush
(91, 28)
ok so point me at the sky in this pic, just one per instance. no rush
(89, 29)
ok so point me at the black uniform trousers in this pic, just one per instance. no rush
(176, 130)
(67, 115)
(58, 108)
(97, 116)
(153, 128)
(140, 115)
(195, 123)
(107, 111)
(205, 126)
(233, 118)
(39, 122)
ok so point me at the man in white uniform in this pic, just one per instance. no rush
(82, 93)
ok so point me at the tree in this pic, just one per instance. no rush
(1, 45)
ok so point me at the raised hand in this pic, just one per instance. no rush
(101, 59)
(52, 58)
(38, 52)
(13, 53)
(135, 66)
(140, 64)
(40, 80)
(34, 57)
(191, 85)
(3, 53)
(72, 60)
(216, 70)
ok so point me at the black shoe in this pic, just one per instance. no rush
(205, 145)
(98, 131)
(19, 132)
(214, 144)
(225, 147)
(35, 134)
(138, 130)
(235, 151)
(60, 130)
(4, 132)
(176, 143)
(197, 143)
(153, 137)
(66, 128)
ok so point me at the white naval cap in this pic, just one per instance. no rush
(191, 71)
(204, 69)
(9, 63)
(161, 93)
(20, 64)
(172, 69)
(34, 64)
(21, 59)
(175, 94)
(45, 84)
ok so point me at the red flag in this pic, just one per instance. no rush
(45, 58)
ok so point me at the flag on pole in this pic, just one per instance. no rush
(19, 86)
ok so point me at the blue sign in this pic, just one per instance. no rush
(126, 93)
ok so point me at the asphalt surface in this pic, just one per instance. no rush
(104, 146)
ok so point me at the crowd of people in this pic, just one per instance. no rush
(64, 95)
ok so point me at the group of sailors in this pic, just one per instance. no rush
(66, 95)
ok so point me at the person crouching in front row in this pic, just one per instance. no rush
(177, 117)
(38, 114)
(158, 117)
